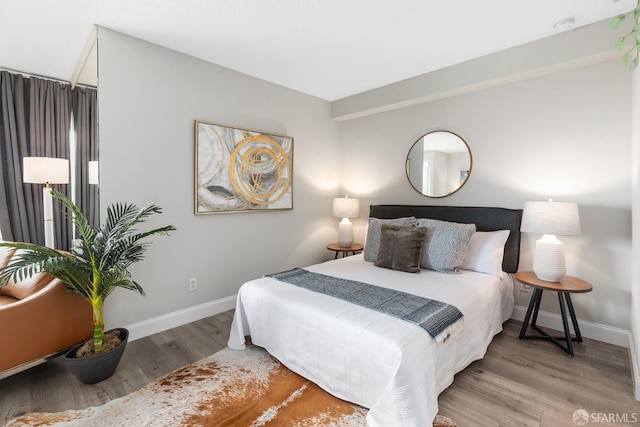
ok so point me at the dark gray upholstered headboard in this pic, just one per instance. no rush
(485, 219)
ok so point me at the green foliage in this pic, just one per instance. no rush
(632, 55)
(616, 22)
(99, 265)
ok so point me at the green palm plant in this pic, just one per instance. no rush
(631, 57)
(99, 265)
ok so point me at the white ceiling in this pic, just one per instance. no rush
(327, 48)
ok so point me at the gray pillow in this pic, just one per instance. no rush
(446, 244)
(372, 243)
(400, 248)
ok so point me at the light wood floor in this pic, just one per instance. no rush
(530, 383)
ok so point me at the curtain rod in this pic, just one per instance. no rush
(41, 76)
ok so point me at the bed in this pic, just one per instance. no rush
(370, 358)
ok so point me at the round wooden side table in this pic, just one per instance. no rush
(567, 285)
(354, 248)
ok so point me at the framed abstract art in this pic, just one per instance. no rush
(241, 170)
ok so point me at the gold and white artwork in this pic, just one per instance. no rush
(240, 170)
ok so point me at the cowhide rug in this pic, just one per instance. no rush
(229, 388)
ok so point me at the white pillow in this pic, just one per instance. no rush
(485, 252)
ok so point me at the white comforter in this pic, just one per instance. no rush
(390, 366)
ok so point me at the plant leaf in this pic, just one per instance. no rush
(100, 266)
(619, 43)
(616, 22)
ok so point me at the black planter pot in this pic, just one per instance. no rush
(91, 370)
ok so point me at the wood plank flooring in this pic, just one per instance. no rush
(530, 383)
(534, 383)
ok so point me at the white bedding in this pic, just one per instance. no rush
(390, 366)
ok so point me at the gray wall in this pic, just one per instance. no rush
(635, 287)
(564, 135)
(149, 98)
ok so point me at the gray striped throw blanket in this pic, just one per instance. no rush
(435, 317)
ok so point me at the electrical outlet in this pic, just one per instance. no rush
(525, 288)
(193, 284)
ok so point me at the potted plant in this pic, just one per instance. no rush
(93, 270)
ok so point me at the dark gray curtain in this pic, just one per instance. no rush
(85, 118)
(49, 123)
(36, 117)
(16, 199)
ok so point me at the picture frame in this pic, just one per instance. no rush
(241, 170)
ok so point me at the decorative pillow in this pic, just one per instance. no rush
(400, 248)
(26, 287)
(5, 255)
(372, 243)
(486, 251)
(445, 245)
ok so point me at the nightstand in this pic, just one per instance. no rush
(354, 248)
(567, 285)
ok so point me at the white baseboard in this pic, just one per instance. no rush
(595, 331)
(635, 368)
(180, 317)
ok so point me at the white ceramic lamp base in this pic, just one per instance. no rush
(47, 202)
(548, 260)
(345, 233)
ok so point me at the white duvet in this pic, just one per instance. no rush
(390, 366)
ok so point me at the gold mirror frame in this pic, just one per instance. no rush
(444, 169)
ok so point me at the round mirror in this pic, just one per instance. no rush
(438, 164)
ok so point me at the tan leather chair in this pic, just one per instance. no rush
(38, 320)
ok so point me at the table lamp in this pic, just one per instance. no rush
(345, 208)
(550, 219)
(46, 170)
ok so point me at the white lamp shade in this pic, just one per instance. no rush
(558, 218)
(345, 207)
(94, 173)
(43, 170)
